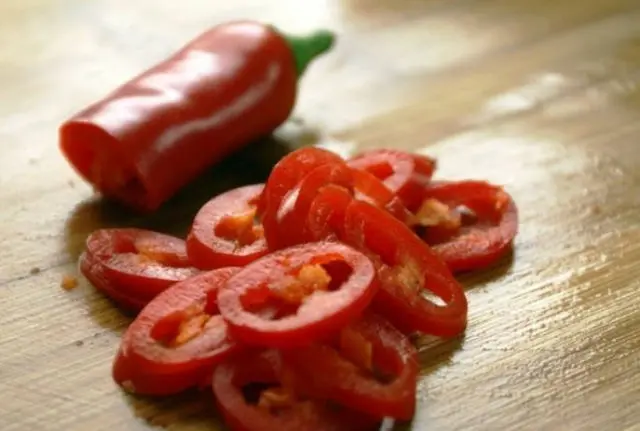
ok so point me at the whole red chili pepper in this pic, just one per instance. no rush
(233, 84)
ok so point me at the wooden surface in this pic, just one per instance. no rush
(542, 96)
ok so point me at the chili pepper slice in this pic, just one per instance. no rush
(407, 269)
(104, 243)
(293, 213)
(276, 407)
(93, 270)
(284, 177)
(405, 174)
(325, 220)
(138, 262)
(481, 241)
(320, 287)
(178, 337)
(225, 233)
(231, 85)
(135, 380)
(372, 368)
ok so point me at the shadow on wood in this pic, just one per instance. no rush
(194, 408)
(471, 280)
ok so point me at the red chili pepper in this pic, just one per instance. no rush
(318, 288)
(372, 368)
(295, 182)
(489, 236)
(284, 177)
(276, 408)
(135, 380)
(405, 174)
(133, 265)
(177, 339)
(336, 279)
(93, 270)
(224, 232)
(293, 213)
(406, 268)
(233, 84)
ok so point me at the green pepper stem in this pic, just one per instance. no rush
(307, 48)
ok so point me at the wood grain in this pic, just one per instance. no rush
(542, 96)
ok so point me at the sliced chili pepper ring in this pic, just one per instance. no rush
(379, 378)
(280, 409)
(138, 262)
(225, 233)
(285, 176)
(405, 174)
(93, 270)
(135, 380)
(294, 210)
(483, 241)
(298, 279)
(180, 332)
(407, 268)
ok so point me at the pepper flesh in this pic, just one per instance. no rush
(483, 238)
(132, 266)
(379, 382)
(405, 174)
(407, 268)
(177, 338)
(225, 231)
(294, 273)
(277, 408)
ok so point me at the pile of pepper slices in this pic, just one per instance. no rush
(293, 299)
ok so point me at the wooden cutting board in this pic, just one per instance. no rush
(542, 96)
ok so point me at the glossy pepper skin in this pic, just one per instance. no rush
(232, 85)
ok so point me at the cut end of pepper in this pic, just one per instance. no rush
(307, 48)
